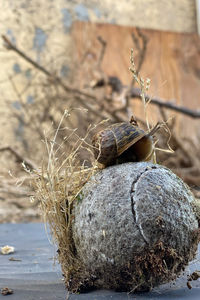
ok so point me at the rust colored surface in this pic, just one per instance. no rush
(172, 62)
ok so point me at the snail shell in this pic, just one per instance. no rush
(122, 142)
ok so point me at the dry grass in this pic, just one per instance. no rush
(144, 87)
(59, 184)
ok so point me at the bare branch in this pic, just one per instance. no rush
(141, 48)
(118, 87)
(10, 46)
(103, 49)
(30, 164)
(52, 77)
(135, 93)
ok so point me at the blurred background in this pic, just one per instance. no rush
(58, 55)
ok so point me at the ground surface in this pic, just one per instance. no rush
(33, 276)
(19, 211)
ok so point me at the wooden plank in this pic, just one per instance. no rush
(172, 63)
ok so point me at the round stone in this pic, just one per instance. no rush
(134, 227)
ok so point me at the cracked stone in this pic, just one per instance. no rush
(126, 211)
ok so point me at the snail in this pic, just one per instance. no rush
(123, 142)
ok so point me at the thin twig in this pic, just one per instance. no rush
(10, 46)
(141, 48)
(103, 49)
(135, 93)
(55, 79)
(117, 86)
(78, 94)
(30, 164)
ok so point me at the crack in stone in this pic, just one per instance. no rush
(134, 212)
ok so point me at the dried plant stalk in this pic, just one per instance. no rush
(58, 185)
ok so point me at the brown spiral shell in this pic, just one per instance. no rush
(122, 142)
